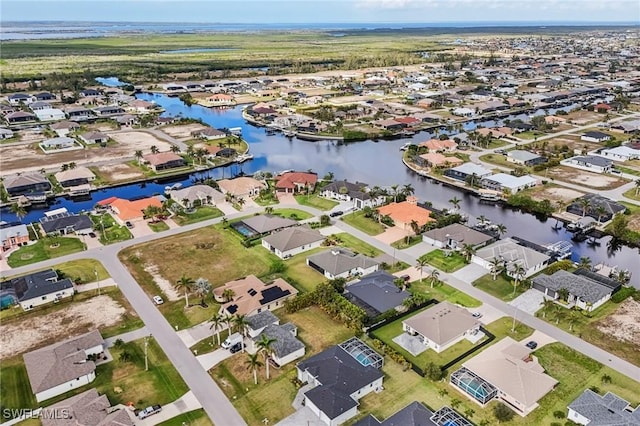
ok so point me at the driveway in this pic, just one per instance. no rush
(330, 230)
(210, 360)
(188, 402)
(226, 208)
(141, 229)
(391, 235)
(303, 417)
(470, 273)
(529, 301)
(488, 312)
(540, 338)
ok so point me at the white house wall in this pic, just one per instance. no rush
(291, 357)
(42, 300)
(577, 418)
(65, 387)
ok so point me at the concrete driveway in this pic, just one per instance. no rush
(188, 402)
(488, 312)
(210, 360)
(226, 208)
(540, 338)
(302, 417)
(470, 273)
(529, 301)
(141, 229)
(391, 235)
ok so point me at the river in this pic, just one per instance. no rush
(373, 162)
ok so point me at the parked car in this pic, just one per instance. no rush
(336, 213)
(92, 234)
(532, 345)
(129, 224)
(476, 315)
(235, 348)
(149, 411)
(232, 340)
(158, 300)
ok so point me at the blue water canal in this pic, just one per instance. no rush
(373, 162)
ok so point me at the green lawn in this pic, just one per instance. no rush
(364, 224)
(502, 287)
(43, 249)
(110, 231)
(305, 277)
(158, 226)
(357, 245)
(631, 193)
(533, 134)
(15, 391)
(191, 418)
(177, 314)
(295, 214)
(201, 213)
(82, 270)
(450, 263)
(209, 344)
(497, 143)
(442, 291)
(500, 160)
(628, 170)
(316, 202)
(402, 243)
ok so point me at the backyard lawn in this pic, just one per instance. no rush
(441, 291)
(364, 224)
(110, 231)
(43, 249)
(15, 391)
(201, 213)
(316, 202)
(295, 214)
(357, 245)
(502, 287)
(450, 263)
(305, 278)
(191, 418)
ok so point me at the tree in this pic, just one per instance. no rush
(434, 275)
(264, 346)
(496, 266)
(455, 202)
(563, 294)
(325, 220)
(242, 325)
(394, 188)
(585, 262)
(253, 363)
(433, 371)
(64, 167)
(241, 202)
(18, 210)
(203, 287)
(185, 283)
(154, 149)
(443, 392)
(518, 274)
(216, 321)
(328, 177)
(455, 403)
(175, 149)
(125, 356)
(547, 305)
(585, 203)
(600, 211)
(414, 227)
(408, 189)
(501, 228)
(482, 219)
(72, 165)
(268, 210)
(605, 378)
(228, 295)
(502, 412)
(421, 262)
(138, 154)
(469, 412)
(637, 184)
(468, 250)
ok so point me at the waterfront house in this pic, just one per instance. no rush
(468, 170)
(525, 158)
(509, 183)
(292, 241)
(196, 195)
(13, 235)
(85, 409)
(441, 326)
(611, 207)
(595, 136)
(376, 293)
(91, 138)
(139, 106)
(435, 159)
(20, 117)
(35, 289)
(511, 255)
(61, 222)
(292, 182)
(455, 236)
(609, 409)
(74, 177)
(341, 263)
(241, 187)
(405, 213)
(220, 99)
(357, 192)
(389, 124)
(251, 296)
(592, 163)
(437, 145)
(209, 133)
(163, 161)
(130, 211)
(28, 184)
(64, 366)
(108, 111)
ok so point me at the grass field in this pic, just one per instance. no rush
(442, 291)
(631, 193)
(110, 231)
(43, 249)
(502, 287)
(358, 245)
(295, 214)
(201, 213)
(81, 270)
(402, 243)
(364, 224)
(450, 263)
(316, 202)
(15, 391)
(158, 226)
(191, 418)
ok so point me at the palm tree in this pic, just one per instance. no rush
(228, 295)
(408, 189)
(242, 325)
(637, 183)
(216, 321)
(395, 192)
(264, 346)
(138, 154)
(518, 274)
(186, 283)
(585, 262)
(455, 202)
(253, 363)
(72, 165)
(547, 304)
(501, 228)
(175, 149)
(154, 149)
(434, 276)
(268, 210)
(496, 265)
(421, 262)
(203, 287)
(241, 202)
(600, 211)
(415, 227)
(468, 250)
(18, 210)
(585, 203)
(482, 219)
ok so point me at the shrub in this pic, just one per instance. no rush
(622, 294)
(277, 266)
(558, 414)
(433, 372)
(502, 412)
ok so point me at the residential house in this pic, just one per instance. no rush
(586, 290)
(262, 224)
(525, 158)
(29, 185)
(64, 366)
(611, 207)
(358, 192)
(13, 235)
(292, 182)
(376, 293)
(140, 106)
(406, 214)
(90, 92)
(130, 211)
(507, 182)
(197, 195)
(75, 177)
(49, 114)
(209, 133)
(608, 410)
(466, 171)
(85, 409)
(441, 326)
(43, 97)
(291, 241)
(592, 163)
(286, 346)
(389, 124)
(512, 255)
(18, 98)
(595, 136)
(463, 112)
(163, 161)
(5, 133)
(341, 263)
(252, 296)
(258, 322)
(61, 222)
(416, 414)
(506, 371)
(435, 159)
(35, 289)
(79, 114)
(126, 120)
(242, 187)
(36, 106)
(626, 126)
(60, 142)
(437, 145)
(621, 153)
(455, 236)
(220, 99)
(339, 381)
(94, 137)
(63, 128)
(108, 111)
(20, 117)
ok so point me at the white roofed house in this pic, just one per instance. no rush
(592, 163)
(510, 183)
(197, 195)
(94, 137)
(513, 256)
(292, 241)
(621, 153)
(5, 133)
(50, 114)
(58, 143)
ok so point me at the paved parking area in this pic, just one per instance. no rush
(540, 338)
(488, 312)
(141, 229)
(391, 235)
(302, 417)
(529, 301)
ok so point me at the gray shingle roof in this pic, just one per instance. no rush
(58, 223)
(285, 341)
(266, 223)
(294, 237)
(521, 155)
(86, 409)
(35, 285)
(354, 190)
(61, 362)
(607, 410)
(23, 180)
(585, 289)
(337, 261)
(262, 319)
(378, 291)
(512, 253)
(459, 233)
(593, 159)
(414, 414)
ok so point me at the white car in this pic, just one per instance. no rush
(158, 300)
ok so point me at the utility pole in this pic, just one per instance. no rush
(515, 312)
(95, 271)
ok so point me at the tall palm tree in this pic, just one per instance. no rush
(216, 321)
(600, 211)
(228, 295)
(434, 275)
(585, 262)
(585, 203)
(241, 202)
(185, 283)
(468, 250)
(18, 210)
(501, 228)
(264, 346)
(242, 325)
(482, 219)
(408, 189)
(637, 183)
(421, 263)
(547, 305)
(154, 149)
(455, 202)
(395, 192)
(175, 149)
(496, 264)
(518, 275)
(253, 363)
(203, 287)
(138, 154)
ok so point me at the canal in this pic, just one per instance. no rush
(373, 162)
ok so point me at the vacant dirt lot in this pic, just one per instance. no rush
(583, 117)
(634, 222)
(555, 193)
(573, 142)
(624, 323)
(118, 172)
(182, 131)
(26, 334)
(583, 177)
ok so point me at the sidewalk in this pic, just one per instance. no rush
(191, 336)
(187, 402)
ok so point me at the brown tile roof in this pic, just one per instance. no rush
(251, 294)
(406, 212)
(437, 159)
(127, 210)
(437, 144)
(161, 158)
(240, 185)
(291, 179)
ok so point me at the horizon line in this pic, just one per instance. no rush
(631, 22)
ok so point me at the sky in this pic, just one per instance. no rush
(322, 11)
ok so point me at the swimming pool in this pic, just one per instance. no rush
(243, 229)
(363, 359)
(6, 300)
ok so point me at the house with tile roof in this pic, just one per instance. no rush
(252, 296)
(358, 193)
(609, 409)
(405, 213)
(435, 159)
(13, 235)
(291, 241)
(196, 195)
(437, 145)
(342, 263)
(130, 211)
(163, 161)
(64, 366)
(86, 409)
(243, 186)
(292, 182)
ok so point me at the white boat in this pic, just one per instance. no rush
(243, 157)
(405, 146)
(177, 185)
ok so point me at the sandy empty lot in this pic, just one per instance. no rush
(624, 323)
(167, 288)
(78, 318)
(556, 194)
(119, 172)
(182, 131)
(583, 177)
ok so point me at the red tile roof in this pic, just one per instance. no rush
(292, 179)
